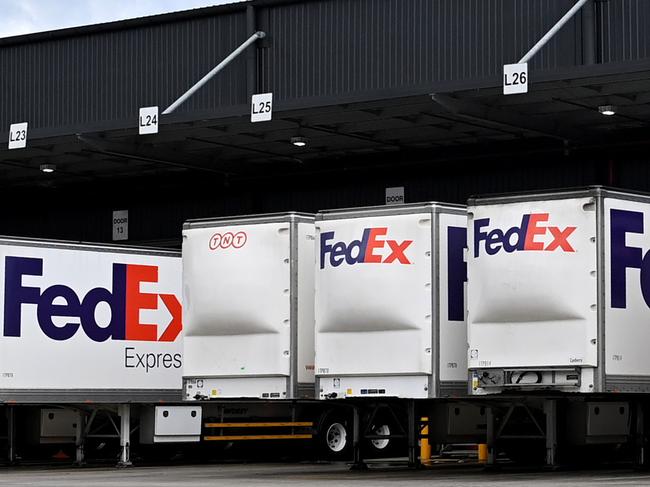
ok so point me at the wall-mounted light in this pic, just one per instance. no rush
(48, 168)
(607, 110)
(299, 141)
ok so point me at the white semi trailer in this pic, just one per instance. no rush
(390, 321)
(248, 286)
(559, 302)
(390, 324)
(374, 300)
(86, 331)
(554, 346)
(390, 302)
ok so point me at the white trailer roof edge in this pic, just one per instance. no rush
(248, 219)
(381, 210)
(559, 194)
(81, 245)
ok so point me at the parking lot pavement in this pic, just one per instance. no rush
(315, 475)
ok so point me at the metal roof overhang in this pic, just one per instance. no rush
(463, 120)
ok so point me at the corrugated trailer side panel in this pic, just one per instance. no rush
(450, 339)
(626, 306)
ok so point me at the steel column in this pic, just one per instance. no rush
(589, 33)
(124, 412)
(490, 437)
(639, 435)
(80, 439)
(550, 411)
(357, 458)
(251, 55)
(413, 435)
(11, 434)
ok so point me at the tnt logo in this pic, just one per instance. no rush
(532, 234)
(227, 240)
(373, 248)
(623, 256)
(125, 301)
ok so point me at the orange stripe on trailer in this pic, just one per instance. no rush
(256, 437)
(304, 424)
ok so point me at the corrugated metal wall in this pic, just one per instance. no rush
(317, 48)
(343, 47)
(89, 79)
(623, 30)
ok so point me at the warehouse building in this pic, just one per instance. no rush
(367, 95)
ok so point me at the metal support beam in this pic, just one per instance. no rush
(506, 120)
(185, 96)
(141, 153)
(554, 30)
(251, 55)
(413, 434)
(550, 411)
(11, 434)
(491, 436)
(357, 458)
(124, 412)
(639, 435)
(246, 148)
(80, 439)
(589, 33)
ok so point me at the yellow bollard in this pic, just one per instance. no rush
(425, 448)
(482, 452)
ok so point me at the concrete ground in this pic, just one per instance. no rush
(260, 475)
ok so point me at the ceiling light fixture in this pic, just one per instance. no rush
(299, 141)
(48, 168)
(607, 110)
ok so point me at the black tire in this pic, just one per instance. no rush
(335, 436)
(383, 447)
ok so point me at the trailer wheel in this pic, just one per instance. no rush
(380, 445)
(335, 437)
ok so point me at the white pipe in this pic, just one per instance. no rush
(547, 37)
(183, 98)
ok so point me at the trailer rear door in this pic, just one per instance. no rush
(532, 283)
(236, 280)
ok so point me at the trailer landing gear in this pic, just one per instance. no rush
(124, 412)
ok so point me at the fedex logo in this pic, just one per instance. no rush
(623, 256)
(531, 234)
(125, 300)
(372, 248)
